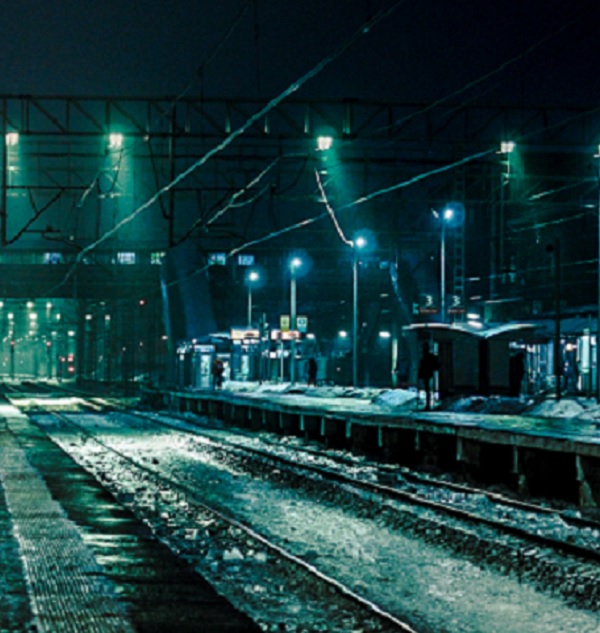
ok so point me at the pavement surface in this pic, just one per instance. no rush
(73, 560)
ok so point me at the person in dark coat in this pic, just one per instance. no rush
(217, 370)
(428, 365)
(311, 371)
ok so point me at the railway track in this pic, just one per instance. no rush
(529, 521)
(301, 462)
(363, 611)
(405, 485)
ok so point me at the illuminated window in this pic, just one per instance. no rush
(245, 260)
(218, 259)
(126, 257)
(53, 258)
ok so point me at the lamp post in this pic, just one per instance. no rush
(253, 277)
(597, 156)
(357, 244)
(295, 263)
(554, 250)
(447, 216)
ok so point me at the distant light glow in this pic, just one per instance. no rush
(253, 276)
(33, 316)
(295, 263)
(71, 333)
(472, 316)
(507, 147)
(310, 336)
(30, 304)
(343, 334)
(385, 334)
(12, 139)
(448, 213)
(360, 242)
(324, 143)
(115, 141)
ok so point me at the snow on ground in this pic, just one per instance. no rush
(406, 400)
(398, 571)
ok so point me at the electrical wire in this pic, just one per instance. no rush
(364, 29)
(261, 113)
(499, 69)
(419, 177)
(36, 216)
(232, 203)
(198, 74)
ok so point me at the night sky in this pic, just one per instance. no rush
(424, 50)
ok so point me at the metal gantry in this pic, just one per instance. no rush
(70, 194)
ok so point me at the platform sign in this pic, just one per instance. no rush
(427, 305)
(284, 322)
(455, 305)
(302, 324)
(240, 334)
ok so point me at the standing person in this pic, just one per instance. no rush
(311, 371)
(428, 365)
(217, 373)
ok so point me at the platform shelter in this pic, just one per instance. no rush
(475, 360)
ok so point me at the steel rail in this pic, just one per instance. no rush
(311, 569)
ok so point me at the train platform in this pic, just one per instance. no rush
(74, 560)
(540, 448)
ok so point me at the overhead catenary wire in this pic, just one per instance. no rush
(198, 75)
(362, 31)
(297, 225)
(331, 212)
(475, 82)
(233, 203)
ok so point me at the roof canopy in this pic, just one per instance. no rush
(510, 331)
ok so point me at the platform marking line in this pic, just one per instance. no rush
(68, 590)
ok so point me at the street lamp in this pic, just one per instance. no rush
(252, 277)
(447, 216)
(295, 263)
(357, 244)
(324, 143)
(597, 156)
